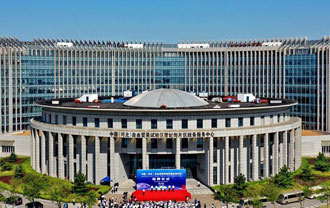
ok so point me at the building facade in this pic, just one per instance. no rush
(165, 128)
(294, 68)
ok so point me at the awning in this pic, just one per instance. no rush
(106, 180)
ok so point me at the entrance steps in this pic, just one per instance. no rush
(195, 190)
(126, 186)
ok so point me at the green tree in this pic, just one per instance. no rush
(32, 187)
(58, 193)
(306, 173)
(321, 163)
(254, 195)
(307, 192)
(325, 194)
(90, 199)
(240, 184)
(12, 158)
(19, 172)
(271, 192)
(14, 187)
(79, 185)
(284, 178)
(226, 195)
(6, 166)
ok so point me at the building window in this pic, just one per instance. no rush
(240, 122)
(154, 143)
(124, 123)
(85, 122)
(278, 118)
(97, 122)
(153, 124)
(138, 143)
(124, 142)
(64, 120)
(8, 149)
(271, 118)
(169, 124)
(199, 142)
(110, 123)
(199, 123)
(184, 143)
(184, 124)
(169, 143)
(228, 123)
(50, 118)
(138, 123)
(74, 121)
(214, 123)
(252, 121)
(56, 119)
(262, 120)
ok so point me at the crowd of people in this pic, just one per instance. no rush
(131, 203)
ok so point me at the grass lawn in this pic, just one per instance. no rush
(299, 184)
(7, 181)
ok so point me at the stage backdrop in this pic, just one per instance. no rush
(160, 177)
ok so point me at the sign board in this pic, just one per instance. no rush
(130, 134)
(160, 178)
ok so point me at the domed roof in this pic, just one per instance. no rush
(171, 98)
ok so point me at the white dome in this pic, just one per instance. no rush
(171, 98)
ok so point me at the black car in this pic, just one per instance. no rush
(14, 200)
(35, 204)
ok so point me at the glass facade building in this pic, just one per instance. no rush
(44, 69)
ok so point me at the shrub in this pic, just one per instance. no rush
(19, 172)
(306, 173)
(284, 178)
(321, 163)
(12, 158)
(6, 167)
(239, 184)
(79, 185)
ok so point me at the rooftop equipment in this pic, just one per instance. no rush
(87, 98)
(246, 98)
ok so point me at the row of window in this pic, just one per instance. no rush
(154, 122)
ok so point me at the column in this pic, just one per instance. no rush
(297, 148)
(242, 156)
(275, 154)
(60, 160)
(43, 153)
(33, 147)
(83, 155)
(144, 153)
(226, 168)
(96, 160)
(254, 158)
(211, 161)
(266, 156)
(177, 153)
(291, 151)
(37, 143)
(285, 148)
(112, 156)
(218, 160)
(69, 161)
(51, 154)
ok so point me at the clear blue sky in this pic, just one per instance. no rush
(166, 20)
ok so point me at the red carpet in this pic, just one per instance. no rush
(178, 195)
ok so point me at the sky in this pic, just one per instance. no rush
(168, 21)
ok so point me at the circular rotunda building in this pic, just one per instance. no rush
(213, 140)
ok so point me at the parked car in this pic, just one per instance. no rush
(14, 200)
(35, 204)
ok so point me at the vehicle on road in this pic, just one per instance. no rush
(14, 200)
(35, 204)
(290, 197)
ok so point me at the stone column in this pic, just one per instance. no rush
(144, 153)
(211, 161)
(275, 154)
(291, 151)
(242, 156)
(51, 154)
(96, 160)
(37, 150)
(177, 153)
(255, 169)
(285, 148)
(83, 155)
(266, 156)
(112, 159)
(33, 149)
(297, 148)
(226, 168)
(60, 160)
(69, 161)
(218, 161)
(43, 153)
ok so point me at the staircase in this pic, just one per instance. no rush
(195, 190)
